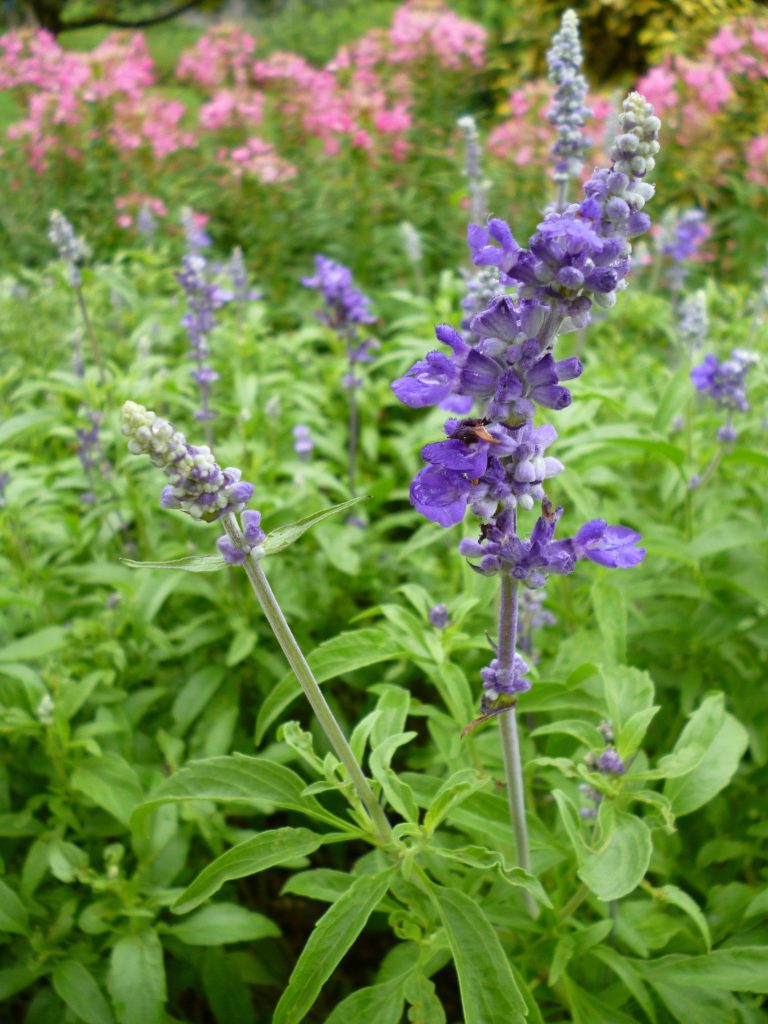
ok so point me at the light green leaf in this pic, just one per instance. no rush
(111, 783)
(611, 614)
(247, 858)
(716, 741)
(13, 913)
(34, 645)
(238, 779)
(627, 691)
(221, 923)
(619, 864)
(455, 789)
(681, 900)
(332, 937)
(588, 1009)
(343, 653)
(376, 1004)
(633, 731)
(77, 987)
(284, 536)
(487, 860)
(24, 422)
(425, 1007)
(489, 992)
(190, 563)
(739, 969)
(580, 730)
(136, 979)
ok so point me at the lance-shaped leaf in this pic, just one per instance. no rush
(334, 934)
(237, 779)
(489, 992)
(248, 858)
(284, 536)
(191, 563)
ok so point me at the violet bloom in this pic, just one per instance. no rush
(90, 453)
(252, 536)
(198, 486)
(302, 441)
(203, 299)
(238, 273)
(569, 111)
(346, 309)
(725, 382)
(71, 249)
(438, 616)
(609, 763)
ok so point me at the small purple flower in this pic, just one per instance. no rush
(302, 441)
(203, 299)
(609, 763)
(345, 304)
(498, 681)
(252, 536)
(611, 546)
(438, 616)
(725, 382)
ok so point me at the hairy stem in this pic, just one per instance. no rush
(510, 742)
(562, 195)
(353, 427)
(309, 684)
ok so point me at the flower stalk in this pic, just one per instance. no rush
(309, 685)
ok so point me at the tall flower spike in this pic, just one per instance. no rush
(71, 249)
(198, 485)
(473, 170)
(569, 111)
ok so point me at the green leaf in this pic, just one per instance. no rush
(35, 645)
(284, 536)
(221, 923)
(627, 692)
(588, 1009)
(24, 423)
(376, 1004)
(619, 864)
(584, 732)
(225, 990)
(739, 969)
(136, 979)
(611, 614)
(237, 779)
(13, 913)
(455, 789)
(487, 860)
(624, 970)
(247, 858)
(632, 733)
(714, 742)
(111, 783)
(77, 987)
(343, 653)
(332, 937)
(425, 1008)
(681, 900)
(190, 563)
(489, 992)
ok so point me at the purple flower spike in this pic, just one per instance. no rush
(611, 546)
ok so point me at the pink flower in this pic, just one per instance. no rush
(725, 43)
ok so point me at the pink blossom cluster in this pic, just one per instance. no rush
(423, 29)
(230, 108)
(258, 159)
(130, 205)
(151, 121)
(526, 136)
(689, 94)
(222, 56)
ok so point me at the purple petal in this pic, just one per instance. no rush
(440, 495)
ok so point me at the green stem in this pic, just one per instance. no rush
(91, 335)
(309, 684)
(510, 741)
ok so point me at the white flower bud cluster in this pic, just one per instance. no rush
(634, 149)
(198, 486)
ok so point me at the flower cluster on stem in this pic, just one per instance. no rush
(497, 463)
(346, 309)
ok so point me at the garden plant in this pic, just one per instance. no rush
(348, 676)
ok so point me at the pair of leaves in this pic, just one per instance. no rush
(276, 541)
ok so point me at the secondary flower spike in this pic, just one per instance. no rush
(569, 110)
(198, 485)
